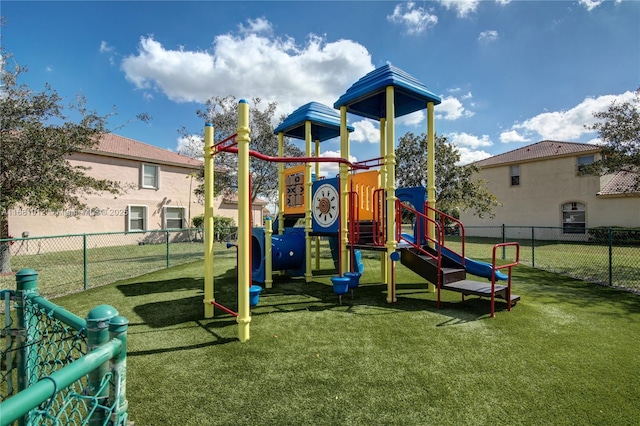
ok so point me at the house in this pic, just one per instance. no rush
(542, 185)
(158, 194)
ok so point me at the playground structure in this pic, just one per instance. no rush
(360, 209)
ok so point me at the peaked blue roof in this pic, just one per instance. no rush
(367, 97)
(325, 122)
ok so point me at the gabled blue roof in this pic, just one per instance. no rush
(367, 98)
(325, 122)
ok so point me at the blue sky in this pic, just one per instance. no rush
(510, 72)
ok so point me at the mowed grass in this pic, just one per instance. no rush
(566, 354)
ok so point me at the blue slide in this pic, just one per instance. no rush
(475, 267)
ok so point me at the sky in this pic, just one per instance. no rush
(510, 73)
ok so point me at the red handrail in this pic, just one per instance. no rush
(417, 244)
(340, 160)
(495, 268)
(224, 144)
(444, 216)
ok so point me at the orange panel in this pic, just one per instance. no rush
(294, 190)
(364, 183)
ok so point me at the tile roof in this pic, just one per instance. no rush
(119, 146)
(623, 183)
(540, 150)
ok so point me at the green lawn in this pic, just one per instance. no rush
(566, 354)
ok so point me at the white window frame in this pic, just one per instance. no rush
(145, 218)
(156, 184)
(511, 175)
(164, 216)
(577, 207)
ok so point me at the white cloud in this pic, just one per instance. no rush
(452, 109)
(48, 68)
(330, 170)
(466, 139)
(468, 156)
(414, 119)
(260, 25)
(512, 136)
(365, 131)
(503, 2)
(462, 7)
(488, 36)
(105, 48)
(271, 68)
(590, 4)
(415, 19)
(569, 125)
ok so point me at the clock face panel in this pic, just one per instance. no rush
(325, 206)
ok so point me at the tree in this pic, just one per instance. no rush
(223, 114)
(619, 130)
(35, 137)
(455, 188)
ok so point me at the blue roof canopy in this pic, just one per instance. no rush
(325, 122)
(367, 96)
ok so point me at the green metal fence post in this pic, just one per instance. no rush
(27, 286)
(98, 335)
(84, 260)
(610, 256)
(118, 327)
(167, 240)
(533, 247)
(504, 240)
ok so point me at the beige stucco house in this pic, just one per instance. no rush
(542, 185)
(159, 194)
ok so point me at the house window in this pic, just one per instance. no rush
(573, 218)
(150, 176)
(136, 218)
(584, 160)
(174, 217)
(514, 172)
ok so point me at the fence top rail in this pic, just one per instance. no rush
(59, 313)
(44, 237)
(31, 397)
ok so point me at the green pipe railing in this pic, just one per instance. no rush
(96, 381)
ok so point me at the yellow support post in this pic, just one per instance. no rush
(244, 224)
(431, 174)
(307, 202)
(344, 190)
(281, 186)
(208, 221)
(383, 184)
(390, 163)
(268, 254)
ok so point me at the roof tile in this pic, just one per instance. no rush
(119, 146)
(539, 150)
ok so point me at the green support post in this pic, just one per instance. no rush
(27, 286)
(533, 247)
(504, 240)
(610, 256)
(98, 321)
(118, 327)
(167, 241)
(84, 260)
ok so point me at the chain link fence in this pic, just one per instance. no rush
(73, 263)
(608, 256)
